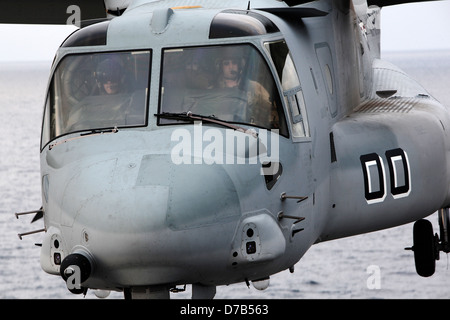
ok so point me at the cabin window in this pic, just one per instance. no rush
(232, 83)
(97, 91)
(292, 89)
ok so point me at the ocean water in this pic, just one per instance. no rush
(339, 269)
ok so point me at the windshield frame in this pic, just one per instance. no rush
(256, 50)
(46, 135)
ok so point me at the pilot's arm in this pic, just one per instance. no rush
(259, 104)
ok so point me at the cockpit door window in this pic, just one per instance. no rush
(292, 89)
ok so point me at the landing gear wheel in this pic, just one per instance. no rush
(424, 248)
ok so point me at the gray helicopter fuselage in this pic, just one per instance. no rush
(152, 197)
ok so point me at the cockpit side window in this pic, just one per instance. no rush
(97, 91)
(232, 83)
(292, 89)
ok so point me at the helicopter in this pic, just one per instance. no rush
(211, 143)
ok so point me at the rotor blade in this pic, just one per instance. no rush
(50, 11)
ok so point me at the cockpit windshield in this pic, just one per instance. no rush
(231, 83)
(97, 91)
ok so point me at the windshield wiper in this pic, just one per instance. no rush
(91, 132)
(98, 131)
(189, 116)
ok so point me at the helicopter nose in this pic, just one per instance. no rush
(127, 196)
(199, 194)
(131, 226)
(150, 196)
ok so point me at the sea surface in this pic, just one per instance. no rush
(370, 266)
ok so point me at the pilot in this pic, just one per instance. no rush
(231, 72)
(110, 102)
(231, 66)
(108, 75)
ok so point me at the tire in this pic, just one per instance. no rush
(424, 248)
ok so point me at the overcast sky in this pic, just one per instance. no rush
(419, 26)
(416, 26)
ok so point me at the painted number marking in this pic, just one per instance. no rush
(375, 175)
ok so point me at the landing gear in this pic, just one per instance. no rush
(444, 227)
(425, 253)
(428, 245)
